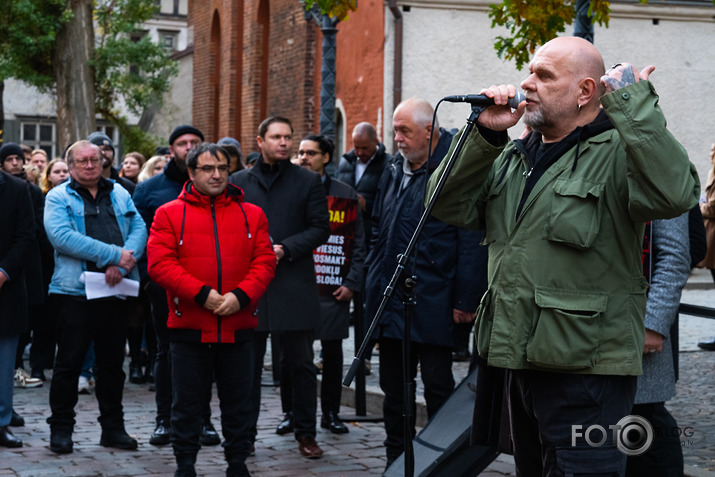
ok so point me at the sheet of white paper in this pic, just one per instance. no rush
(96, 287)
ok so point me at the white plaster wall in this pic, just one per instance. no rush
(22, 100)
(448, 49)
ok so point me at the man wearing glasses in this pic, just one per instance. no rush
(212, 253)
(94, 226)
(149, 196)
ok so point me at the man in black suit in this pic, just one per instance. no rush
(294, 201)
(17, 235)
(362, 167)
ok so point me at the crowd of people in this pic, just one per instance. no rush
(538, 243)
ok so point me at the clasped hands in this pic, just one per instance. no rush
(112, 276)
(222, 305)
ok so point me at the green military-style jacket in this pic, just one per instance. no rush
(566, 287)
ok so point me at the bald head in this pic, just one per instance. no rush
(563, 87)
(364, 141)
(579, 57)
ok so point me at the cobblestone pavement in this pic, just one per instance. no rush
(359, 453)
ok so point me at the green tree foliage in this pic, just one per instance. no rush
(128, 72)
(133, 70)
(533, 23)
(334, 8)
(27, 38)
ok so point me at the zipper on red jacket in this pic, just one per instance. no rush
(218, 263)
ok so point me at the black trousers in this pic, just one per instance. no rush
(162, 363)
(436, 369)
(192, 365)
(162, 370)
(298, 371)
(544, 407)
(79, 322)
(665, 455)
(331, 386)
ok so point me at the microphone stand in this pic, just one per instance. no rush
(408, 286)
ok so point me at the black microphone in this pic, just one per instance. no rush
(483, 100)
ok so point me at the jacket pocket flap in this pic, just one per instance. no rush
(578, 188)
(571, 300)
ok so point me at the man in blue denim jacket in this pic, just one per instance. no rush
(94, 227)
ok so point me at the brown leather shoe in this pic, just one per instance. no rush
(309, 448)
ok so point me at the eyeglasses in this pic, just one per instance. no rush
(83, 162)
(222, 168)
(309, 153)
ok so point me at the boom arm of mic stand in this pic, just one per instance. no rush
(403, 258)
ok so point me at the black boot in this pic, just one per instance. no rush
(136, 375)
(185, 466)
(236, 464)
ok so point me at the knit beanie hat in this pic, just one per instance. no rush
(185, 129)
(11, 149)
(100, 139)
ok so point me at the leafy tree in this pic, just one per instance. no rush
(333, 8)
(132, 71)
(532, 23)
(53, 45)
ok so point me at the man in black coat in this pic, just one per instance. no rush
(294, 202)
(17, 234)
(12, 161)
(362, 167)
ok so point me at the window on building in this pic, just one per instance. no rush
(169, 39)
(39, 134)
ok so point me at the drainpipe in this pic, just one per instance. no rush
(397, 59)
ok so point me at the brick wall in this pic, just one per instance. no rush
(233, 98)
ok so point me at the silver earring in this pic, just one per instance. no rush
(579, 108)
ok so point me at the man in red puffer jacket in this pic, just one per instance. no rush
(212, 253)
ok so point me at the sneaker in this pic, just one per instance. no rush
(85, 385)
(24, 380)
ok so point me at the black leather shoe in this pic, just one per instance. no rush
(60, 441)
(286, 426)
(708, 344)
(38, 374)
(7, 439)
(117, 438)
(136, 375)
(332, 422)
(161, 435)
(16, 420)
(209, 436)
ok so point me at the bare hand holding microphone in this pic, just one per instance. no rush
(509, 101)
